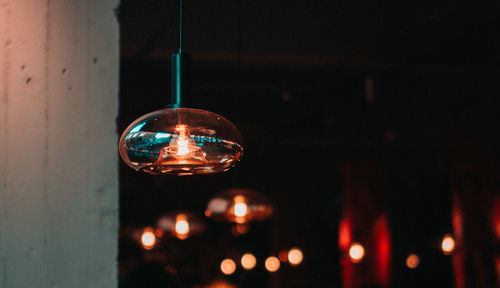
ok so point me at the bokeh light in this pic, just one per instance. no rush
(240, 229)
(448, 244)
(182, 226)
(356, 252)
(295, 256)
(248, 261)
(220, 284)
(272, 264)
(227, 266)
(412, 261)
(283, 256)
(159, 233)
(240, 206)
(148, 238)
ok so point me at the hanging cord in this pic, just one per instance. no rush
(180, 27)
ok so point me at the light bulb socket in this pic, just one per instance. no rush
(181, 80)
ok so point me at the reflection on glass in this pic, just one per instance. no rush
(240, 229)
(181, 141)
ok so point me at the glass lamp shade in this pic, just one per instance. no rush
(181, 141)
(181, 225)
(239, 206)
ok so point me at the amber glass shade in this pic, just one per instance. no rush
(181, 141)
(181, 224)
(239, 206)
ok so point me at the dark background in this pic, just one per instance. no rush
(396, 98)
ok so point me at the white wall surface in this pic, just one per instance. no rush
(58, 142)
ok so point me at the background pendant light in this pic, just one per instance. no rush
(181, 224)
(239, 206)
(180, 140)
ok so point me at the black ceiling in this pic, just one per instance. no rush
(450, 35)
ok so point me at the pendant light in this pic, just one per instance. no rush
(239, 206)
(181, 224)
(180, 140)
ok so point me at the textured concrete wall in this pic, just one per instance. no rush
(58, 158)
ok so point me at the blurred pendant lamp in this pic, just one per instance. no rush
(179, 140)
(239, 206)
(181, 224)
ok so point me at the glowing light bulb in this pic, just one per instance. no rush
(182, 141)
(227, 266)
(148, 239)
(448, 244)
(295, 256)
(181, 226)
(248, 261)
(356, 252)
(412, 261)
(240, 209)
(240, 206)
(272, 264)
(181, 150)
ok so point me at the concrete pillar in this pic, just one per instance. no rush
(58, 158)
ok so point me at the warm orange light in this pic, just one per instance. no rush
(227, 266)
(181, 141)
(181, 226)
(248, 261)
(412, 261)
(272, 264)
(295, 256)
(148, 238)
(356, 252)
(448, 244)
(240, 208)
(220, 284)
(240, 229)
